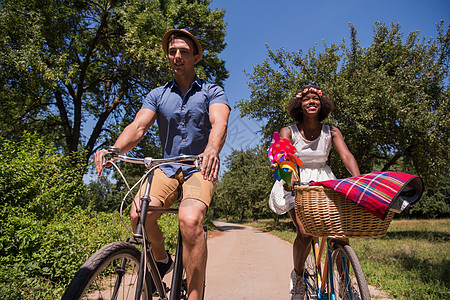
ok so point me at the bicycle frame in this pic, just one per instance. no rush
(122, 268)
(139, 236)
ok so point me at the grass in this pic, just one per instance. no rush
(412, 261)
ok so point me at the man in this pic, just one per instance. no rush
(192, 117)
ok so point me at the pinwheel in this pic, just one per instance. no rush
(283, 159)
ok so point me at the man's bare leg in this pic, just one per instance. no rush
(152, 229)
(191, 215)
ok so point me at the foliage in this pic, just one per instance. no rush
(169, 227)
(392, 98)
(35, 178)
(36, 185)
(435, 203)
(101, 195)
(245, 187)
(67, 65)
(40, 258)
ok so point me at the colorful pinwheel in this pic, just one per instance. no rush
(283, 159)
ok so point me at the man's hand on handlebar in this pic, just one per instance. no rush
(209, 165)
(100, 160)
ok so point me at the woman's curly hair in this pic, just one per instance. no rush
(295, 105)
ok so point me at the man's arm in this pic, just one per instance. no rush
(218, 117)
(130, 136)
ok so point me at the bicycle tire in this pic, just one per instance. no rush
(96, 277)
(311, 278)
(349, 281)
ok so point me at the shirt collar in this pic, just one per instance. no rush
(172, 83)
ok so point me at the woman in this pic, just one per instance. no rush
(313, 141)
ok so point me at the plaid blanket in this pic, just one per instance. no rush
(379, 192)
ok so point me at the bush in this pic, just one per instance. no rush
(36, 178)
(37, 184)
(47, 256)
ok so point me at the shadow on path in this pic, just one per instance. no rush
(229, 227)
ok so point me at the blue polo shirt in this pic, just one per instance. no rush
(183, 122)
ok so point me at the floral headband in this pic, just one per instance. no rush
(309, 90)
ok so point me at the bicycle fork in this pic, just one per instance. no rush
(330, 270)
(327, 275)
(119, 273)
(322, 277)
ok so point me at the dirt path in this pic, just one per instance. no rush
(245, 263)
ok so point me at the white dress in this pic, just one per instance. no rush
(314, 154)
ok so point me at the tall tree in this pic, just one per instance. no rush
(77, 71)
(392, 97)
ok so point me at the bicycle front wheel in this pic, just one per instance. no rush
(347, 278)
(310, 277)
(110, 273)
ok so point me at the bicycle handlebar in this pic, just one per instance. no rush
(151, 162)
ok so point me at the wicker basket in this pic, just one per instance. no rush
(326, 213)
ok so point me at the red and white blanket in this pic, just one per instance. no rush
(379, 192)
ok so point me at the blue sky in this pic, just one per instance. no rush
(300, 24)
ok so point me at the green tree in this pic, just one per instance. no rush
(392, 98)
(245, 187)
(68, 66)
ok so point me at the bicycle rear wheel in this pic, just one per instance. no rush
(348, 278)
(110, 273)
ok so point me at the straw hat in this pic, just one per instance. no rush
(165, 40)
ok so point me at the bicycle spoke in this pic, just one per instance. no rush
(310, 276)
(347, 279)
(115, 282)
(111, 273)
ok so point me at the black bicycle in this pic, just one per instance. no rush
(123, 270)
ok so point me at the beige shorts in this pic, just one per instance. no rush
(165, 189)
